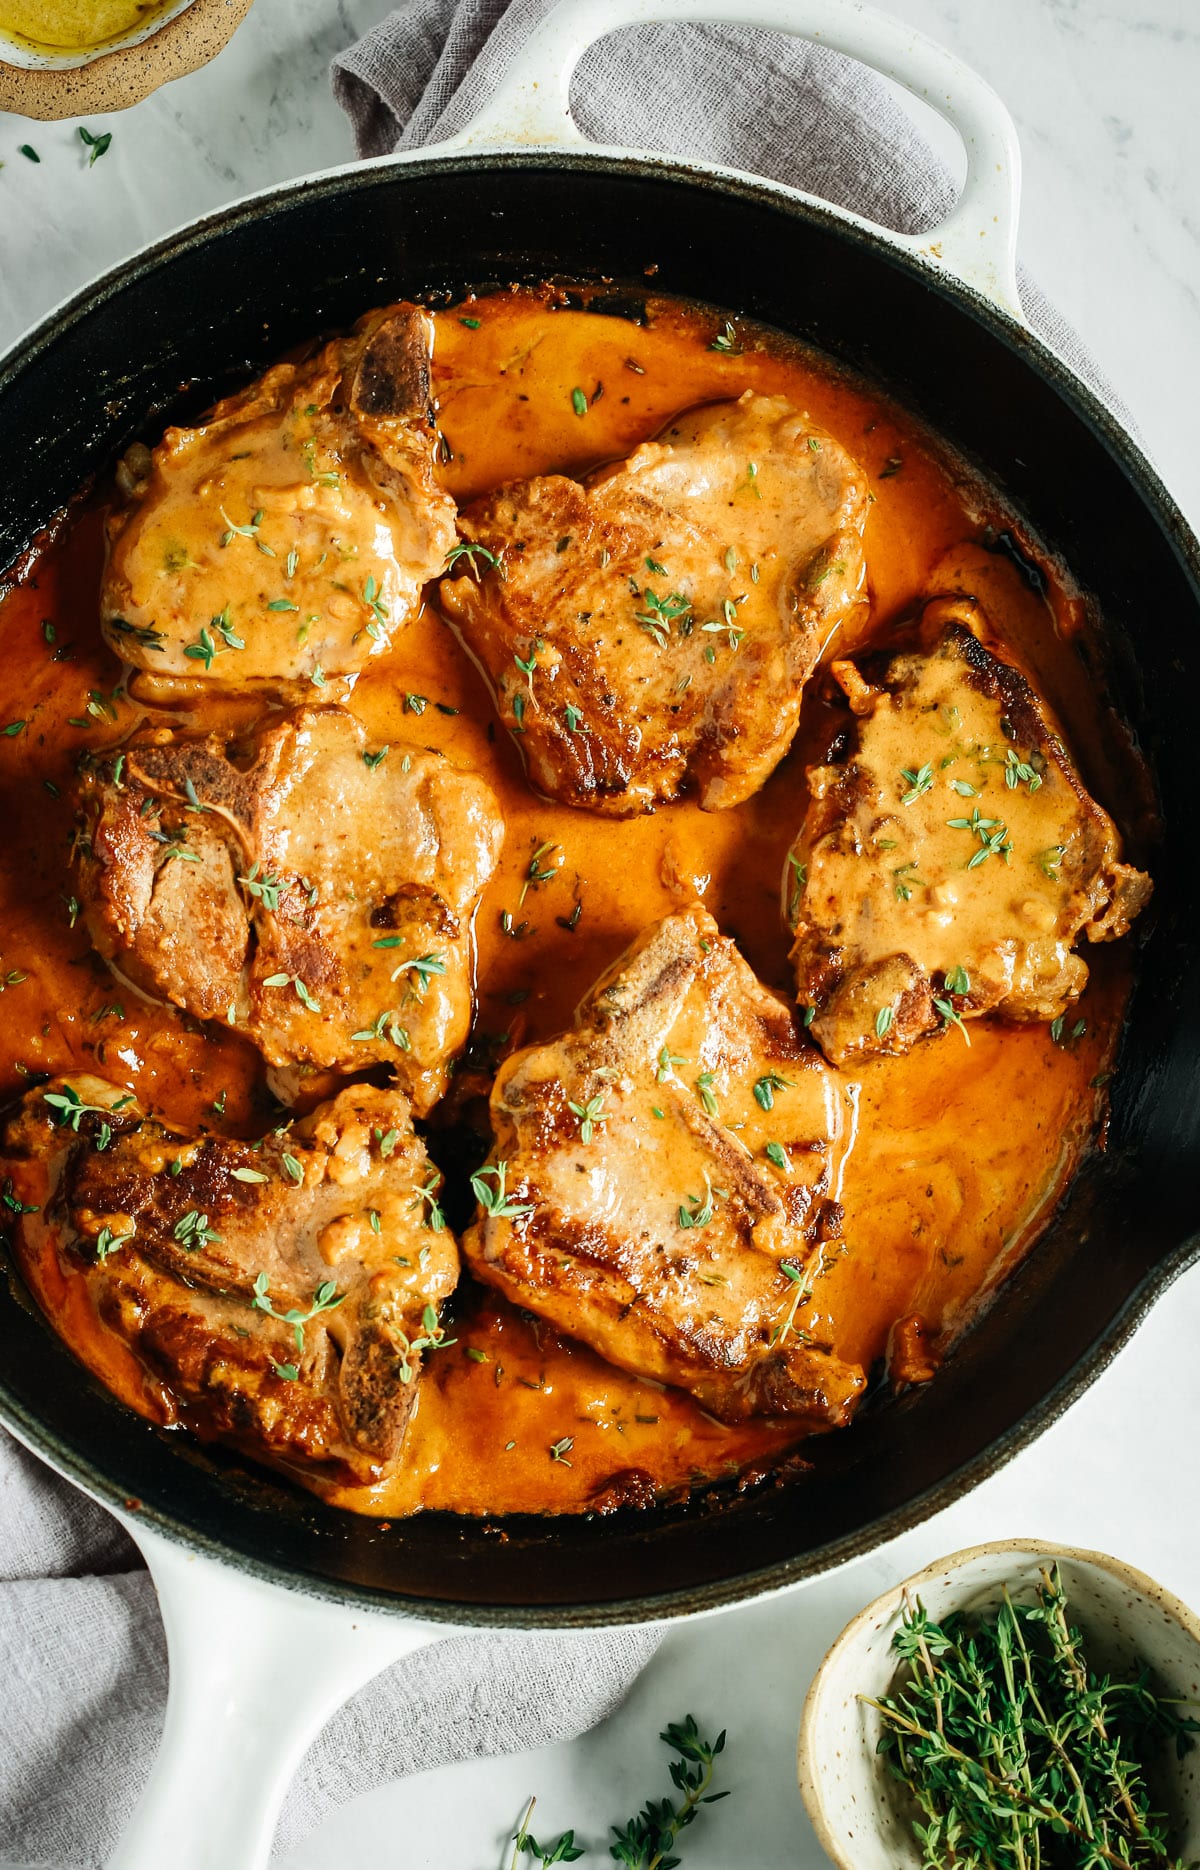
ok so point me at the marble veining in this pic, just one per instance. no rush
(1103, 93)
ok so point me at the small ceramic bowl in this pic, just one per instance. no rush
(858, 1808)
(149, 19)
(172, 41)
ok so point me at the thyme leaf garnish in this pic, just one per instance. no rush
(766, 1087)
(801, 1290)
(697, 1210)
(589, 1115)
(471, 550)
(192, 1231)
(109, 1242)
(918, 780)
(426, 1198)
(326, 1298)
(667, 1061)
(650, 1840)
(535, 876)
(96, 145)
(992, 834)
(495, 1199)
(1020, 772)
(265, 889)
(421, 971)
(799, 880)
(68, 1108)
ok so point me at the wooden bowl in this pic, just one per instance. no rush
(858, 1810)
(115, 79)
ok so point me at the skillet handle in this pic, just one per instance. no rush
(977, 240)
(255, 1673)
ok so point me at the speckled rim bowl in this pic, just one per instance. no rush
(70, 84)
(858, 1809)
(15, 51)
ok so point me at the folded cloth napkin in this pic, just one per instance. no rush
(84, 1669)
(81, 1648)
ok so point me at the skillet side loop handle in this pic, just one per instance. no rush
(255, 1673)
(977, 240)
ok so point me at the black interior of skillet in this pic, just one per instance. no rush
(231, 296)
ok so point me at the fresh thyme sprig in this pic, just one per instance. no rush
(992, 834)
(697, 1210)
(727, 341)
(96, 145)
(420, 972)
(326, 1298)
(265, 888)
(426, 1198)
(67, 1108)
(536, 876)
(658, 614)
(917, 780)
(495, 1199)
(433, 1338)
(799, 881)
(649, 1840)
(470, 550)
(564, 1849)
(766, 1087)
(801, 1292)
(1017, 1754)
(589, 1114)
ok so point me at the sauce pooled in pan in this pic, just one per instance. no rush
(952, 1156)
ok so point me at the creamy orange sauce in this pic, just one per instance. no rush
(957, 1153)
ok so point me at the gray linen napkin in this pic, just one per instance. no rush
(81, 1648)
(83, 1664)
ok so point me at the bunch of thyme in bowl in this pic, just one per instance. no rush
(1018, 1755)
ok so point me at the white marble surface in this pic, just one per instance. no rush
(1103, 92)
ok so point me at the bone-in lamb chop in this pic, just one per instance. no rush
(314, 894)
(280, 1294)
(286, 537)
(656, 625)
(949, 863)
(661, 1177)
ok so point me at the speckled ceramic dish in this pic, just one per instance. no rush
(38, 55)
(71, 83)
(858, 1810)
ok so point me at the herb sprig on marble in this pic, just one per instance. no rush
(649, 1840)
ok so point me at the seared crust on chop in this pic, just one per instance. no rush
(184, 1242)
(948, 866)
(633, 1199)
(657, 624)
(289, 534)
(318, 904)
